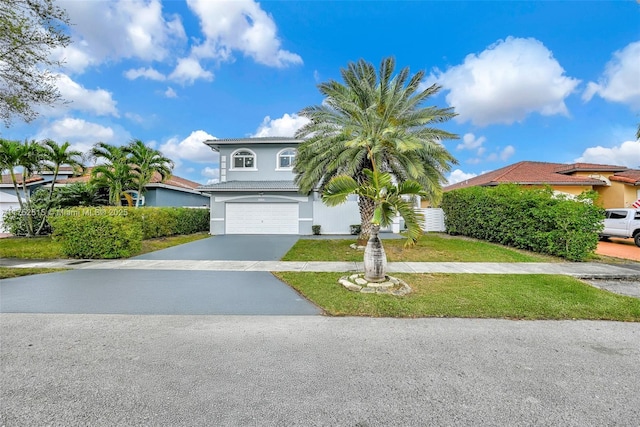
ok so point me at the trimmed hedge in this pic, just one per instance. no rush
(527, 218)
(115, 232)
(96, 236)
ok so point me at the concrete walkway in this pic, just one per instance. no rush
(581, 270)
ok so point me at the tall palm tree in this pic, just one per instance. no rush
(374, 118)
(149, 161)
(116, 173)
(388, 199)
(55, 156)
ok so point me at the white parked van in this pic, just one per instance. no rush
(623, 222)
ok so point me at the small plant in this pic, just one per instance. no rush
(355, 229)
(315, 229)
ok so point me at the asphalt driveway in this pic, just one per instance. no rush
(229, 248)
(165, 292)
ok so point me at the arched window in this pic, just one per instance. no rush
(286, 158)
(243, 159)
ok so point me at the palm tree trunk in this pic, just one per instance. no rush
(366, 207)
(375, 259)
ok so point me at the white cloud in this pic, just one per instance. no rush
(459, 176)
(503, 84)
(287, 125)
(74, 57)
(137, 118)
(189, 70)
(625, 154)
(470, 142)
(147, 73)
(507, 152)
(620, 81)
(213, 174)
(170, 93)
(239, 25)
(191, 148)
(81, 134)
(99, 101)
(121, 29)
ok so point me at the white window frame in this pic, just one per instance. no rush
(232, 165)
(280, 168)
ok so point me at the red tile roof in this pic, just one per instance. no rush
(538, 173)
(6, 179)
(631, 176)
(173, 181)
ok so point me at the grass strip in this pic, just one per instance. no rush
(509, 296)
(47, 248)
(430, 248)
(9, 272)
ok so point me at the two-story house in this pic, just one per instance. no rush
(256, 193)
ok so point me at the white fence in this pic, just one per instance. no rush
(433, 219)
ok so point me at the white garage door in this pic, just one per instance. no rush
(261, 218)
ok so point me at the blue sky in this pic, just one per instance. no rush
(544, 81)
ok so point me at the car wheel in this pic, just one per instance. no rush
(636, 239)
(604, 238)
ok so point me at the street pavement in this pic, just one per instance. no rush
(135, 342)
(115, 370)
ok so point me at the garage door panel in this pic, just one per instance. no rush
(261, 218)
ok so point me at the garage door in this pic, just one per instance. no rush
(261, 218)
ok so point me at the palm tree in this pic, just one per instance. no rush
(28, 156)
(116, 173)
(55, 156)
(374, 118)
(149, 161)
(389, 199)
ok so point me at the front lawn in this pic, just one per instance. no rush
(470, 295)
(8, 272)
(47, 248)
(430, 248)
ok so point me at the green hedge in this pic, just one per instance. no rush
(527, 218)
(85, 234)
(161, 222)
(114, 232)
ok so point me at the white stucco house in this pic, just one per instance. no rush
(256, 193)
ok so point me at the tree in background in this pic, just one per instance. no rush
(27, 156)
(115, 172)
(29, 31)
(55, 156)
(374, 118)
(148, 161)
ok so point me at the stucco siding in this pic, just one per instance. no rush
(168, 197)
(266, 164)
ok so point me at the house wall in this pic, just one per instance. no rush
(218, 201)
(266, 164)
(168, 197)
(574, 190)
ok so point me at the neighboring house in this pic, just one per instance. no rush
(174, 191)
(8, 198)
(256, 193)
(618, 186)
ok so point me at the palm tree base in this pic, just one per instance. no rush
(390, 286)
(375, 258)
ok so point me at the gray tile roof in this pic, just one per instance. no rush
(247, 141)
(250, 186)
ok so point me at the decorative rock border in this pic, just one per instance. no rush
(391, 286)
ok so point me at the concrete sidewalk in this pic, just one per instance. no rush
(580, 270)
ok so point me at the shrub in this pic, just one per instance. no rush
(527, 218)
(315, 229)
(96, 233)
(355, 229)
(15, 220)
(161, 222)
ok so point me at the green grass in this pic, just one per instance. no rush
(8, 272)
(430, 248)
(471, 296)
(47, 248)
